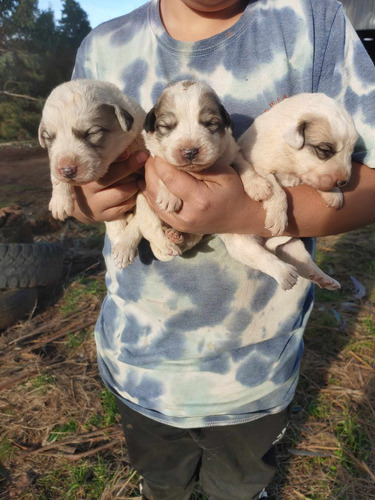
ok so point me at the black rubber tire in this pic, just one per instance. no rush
(27, 265)
(16, 304)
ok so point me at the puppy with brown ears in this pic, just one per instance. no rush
(189, 128)
(85, 126)
(305, 139)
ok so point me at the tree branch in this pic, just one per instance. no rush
(21, 96)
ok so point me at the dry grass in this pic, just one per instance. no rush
(60, 436)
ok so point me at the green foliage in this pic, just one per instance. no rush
(35, 56)
(43, 381)
(73, 482)
(62, 431)
(110, 413)
(18, 120)
(81, 291)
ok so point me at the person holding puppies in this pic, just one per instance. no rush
(203, 353)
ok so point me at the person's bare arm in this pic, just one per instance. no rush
(309, 216)
(215, 202)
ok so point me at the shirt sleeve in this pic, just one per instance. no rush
(347, 74)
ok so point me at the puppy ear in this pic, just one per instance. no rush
(226, 118)
(149, 124)
(42, 141)
(295, 135)
(125, 119)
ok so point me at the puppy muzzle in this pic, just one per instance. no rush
(190, 154)
(68, 172)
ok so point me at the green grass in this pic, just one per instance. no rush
(75, 340)
(110, 413)
(43, 382)
(369, 324)
(319, 408)
(6, 450)
(63, 430)
(353, 437)
(79, 292)
(85, 480)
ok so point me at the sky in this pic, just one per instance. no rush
(98, 11)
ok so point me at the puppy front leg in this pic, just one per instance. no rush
(125, 236)
(276, 208)
(333, 198)
(250, 251)
(255, 185)
(62, 201)
(294, 252)
(167, 200)
(152, 229)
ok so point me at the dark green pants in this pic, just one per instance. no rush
(232, 462)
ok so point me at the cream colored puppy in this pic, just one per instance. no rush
(189, 128)
(85, 126)
(305, 139)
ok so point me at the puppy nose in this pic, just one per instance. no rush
(68, 172)
(190, 154)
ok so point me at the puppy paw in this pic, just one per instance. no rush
(173, 235)
(286, 276)
(333, 199)
(123, 255)
(167, 253)
(325, 281)
(168, 202)
(61, 209)
(276, 223)
(259, 189)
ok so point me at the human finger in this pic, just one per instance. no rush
(180, 183)
(123, 169)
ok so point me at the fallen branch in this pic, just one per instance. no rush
(307, 453)
(82, 438)
(21, 96)
(86, 453)
(17, 378)
(47, 340)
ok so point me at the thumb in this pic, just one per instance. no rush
(180, 183)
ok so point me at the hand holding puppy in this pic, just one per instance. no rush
(212, 199)
(112, 195)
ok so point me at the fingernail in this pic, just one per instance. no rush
(141, 157)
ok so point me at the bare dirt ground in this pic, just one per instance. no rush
(24, 177)
(60, 434)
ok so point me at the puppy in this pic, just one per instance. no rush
(305, 139)
(189, 128)
(85, 126)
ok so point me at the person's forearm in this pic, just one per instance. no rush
(308, 215)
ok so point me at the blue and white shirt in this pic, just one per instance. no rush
(204, 340)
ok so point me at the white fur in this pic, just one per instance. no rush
(86, 125)
(278, 147)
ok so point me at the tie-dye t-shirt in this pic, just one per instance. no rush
(204, 340)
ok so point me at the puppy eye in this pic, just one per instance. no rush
(212, 125)
(164, 128)
(45, 135)
(324, 151)
(94, 131)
